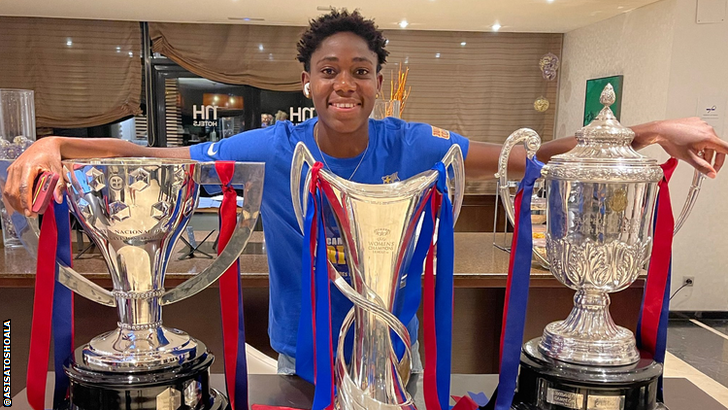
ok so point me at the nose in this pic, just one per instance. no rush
(345, 82)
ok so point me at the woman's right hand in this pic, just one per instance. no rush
(43, 155)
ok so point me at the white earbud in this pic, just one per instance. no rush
(307, 90)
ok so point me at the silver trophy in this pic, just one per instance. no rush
(600, 202)
(383, 221)
(134, 210)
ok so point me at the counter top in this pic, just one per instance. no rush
(477, 264)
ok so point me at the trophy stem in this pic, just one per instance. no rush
(371, 366)
(139, 310)
(588, 335)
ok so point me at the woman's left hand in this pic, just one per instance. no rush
(689, 139)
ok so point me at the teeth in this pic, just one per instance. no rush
(344, 105)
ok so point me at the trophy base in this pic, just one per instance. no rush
(185, 387)
(547, 384)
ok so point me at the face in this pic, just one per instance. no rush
(344, 82)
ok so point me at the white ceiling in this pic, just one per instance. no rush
(558, 16)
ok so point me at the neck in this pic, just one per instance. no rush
(341, 145)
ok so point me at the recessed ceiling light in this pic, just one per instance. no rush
(403, 24)
(496, 27)
(437, 55)
(463, 43)
(118, 49)
(260, 47)
(549, 1)
(131, 54)
(246, 18)
(69, 43)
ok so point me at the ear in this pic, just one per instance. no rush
(305, 79)
(380, 80)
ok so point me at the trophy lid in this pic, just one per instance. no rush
(604, 152)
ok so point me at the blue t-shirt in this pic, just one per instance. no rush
(397, 150)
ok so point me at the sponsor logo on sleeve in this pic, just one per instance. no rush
(211, 151)
(440, 133)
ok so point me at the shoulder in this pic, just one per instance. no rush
(415, 131)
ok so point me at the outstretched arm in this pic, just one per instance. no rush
(683, 139)
(46, 155)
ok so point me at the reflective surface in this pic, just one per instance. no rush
(600, 199)
(378, 225)
(134, 210)
(17, 132)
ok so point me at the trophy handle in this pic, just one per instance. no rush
(29, 233)
(532, 142)
(252, 173)
(301, 156)
(456, 184)
(693, 192)
(376, 307)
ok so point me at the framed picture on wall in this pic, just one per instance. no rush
(594, 88)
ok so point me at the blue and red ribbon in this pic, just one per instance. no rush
(516, 298)
(52, 310)
(314, 346)
(231, 298)
(438, 299)
(652, 324)
(314, 349)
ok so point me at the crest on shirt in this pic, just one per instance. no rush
(388, 179)
(440, 133)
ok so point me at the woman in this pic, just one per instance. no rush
(342, 54)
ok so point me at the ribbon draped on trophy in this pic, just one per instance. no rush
(134, 209)
(385, 255)
(600, 200)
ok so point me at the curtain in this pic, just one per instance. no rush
(84, 73)
(259, 56)
(483, 89)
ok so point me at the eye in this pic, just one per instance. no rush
(328, 71)
(362, 71)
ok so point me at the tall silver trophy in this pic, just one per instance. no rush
(600, 205)
(382, 223)
(134, 210)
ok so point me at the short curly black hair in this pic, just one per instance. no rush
(336, 22)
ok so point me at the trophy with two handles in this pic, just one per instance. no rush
(600, 206)
(379, 225)
(134, 210)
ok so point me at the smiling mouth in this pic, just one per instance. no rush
(343, 105)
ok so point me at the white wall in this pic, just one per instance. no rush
(635, 44)
(668, 62)
(699, 70)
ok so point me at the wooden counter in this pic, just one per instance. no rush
(480, 278)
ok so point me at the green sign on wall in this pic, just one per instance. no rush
(594, 89)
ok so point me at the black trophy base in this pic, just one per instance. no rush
(547, 384)
(183, 387)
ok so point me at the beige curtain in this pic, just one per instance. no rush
(260, 56)
(484, 89)
(85, 73)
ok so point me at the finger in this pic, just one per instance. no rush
(717, 144)
(708, 155)
(27, 183)
(719, 161)
(60, 187)
(700, 164)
